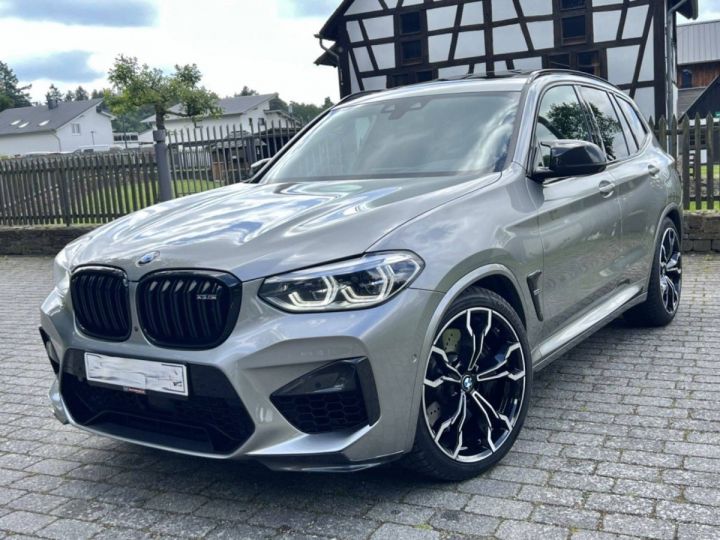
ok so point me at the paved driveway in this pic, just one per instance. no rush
(623, 438)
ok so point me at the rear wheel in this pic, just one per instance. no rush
(476, 389)
(665, 286)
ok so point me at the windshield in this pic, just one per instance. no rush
(439, 135)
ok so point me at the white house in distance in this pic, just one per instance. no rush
(60, 127)
(253, 113)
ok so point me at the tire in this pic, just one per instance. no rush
(665, 285)
(476, 437)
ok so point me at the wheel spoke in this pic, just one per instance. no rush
(450, 421)
(673, 264)
(461, 425)
(477, 351)
(487, 418)
(501, 359)
(501, 417)
(673, 294)
(440, 380)
(446, 361)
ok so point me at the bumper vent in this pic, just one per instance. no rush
(101, 303)
(188, 309)
(336, 397)
(212, 420)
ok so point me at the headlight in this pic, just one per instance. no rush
(354, 284)
(61, 272)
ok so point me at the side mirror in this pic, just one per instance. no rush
(258, 165)
(572, 158)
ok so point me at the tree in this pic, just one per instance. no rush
(247, 91)
(53, 96)
(306, 112)
(81, 94)
(136, 85)
(11, 94)
(95, 94)
(69, 96)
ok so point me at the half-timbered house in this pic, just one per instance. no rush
(386, 43)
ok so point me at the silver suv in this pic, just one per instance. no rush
(384, 288)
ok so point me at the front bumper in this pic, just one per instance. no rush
(270, 349)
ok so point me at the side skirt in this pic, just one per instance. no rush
(598, 317)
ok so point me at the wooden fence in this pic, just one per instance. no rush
(695, 145)
(97, 188)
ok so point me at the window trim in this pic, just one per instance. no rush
(594, 123)
(530, 162)
(647, 132)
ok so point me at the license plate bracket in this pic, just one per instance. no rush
(137, 376)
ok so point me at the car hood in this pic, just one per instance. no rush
(255, 231)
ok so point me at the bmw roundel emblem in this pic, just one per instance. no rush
(148, 258)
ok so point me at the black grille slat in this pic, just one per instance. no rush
(188, 309)
(101, 302)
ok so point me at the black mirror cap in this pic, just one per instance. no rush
(574, 158)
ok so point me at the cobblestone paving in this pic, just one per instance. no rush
(623, 438)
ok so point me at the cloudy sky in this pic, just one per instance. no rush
(265, 44)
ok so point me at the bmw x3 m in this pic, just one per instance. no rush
(384, 288)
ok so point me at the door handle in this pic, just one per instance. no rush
(607, 188)
(654, 171)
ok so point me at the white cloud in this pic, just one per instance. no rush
(234, 43)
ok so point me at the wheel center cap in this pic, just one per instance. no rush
(467, 383)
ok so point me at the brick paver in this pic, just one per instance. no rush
(623, 439)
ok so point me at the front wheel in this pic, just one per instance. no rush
(476, 389)
(665, 285)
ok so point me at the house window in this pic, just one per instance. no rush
(559, 61)
(574, 30)
(75, 129)
(572, 4)
(586, 61)
(411, 52)
(687, 78)
(411, 77)
(410, 23)
(589, 62)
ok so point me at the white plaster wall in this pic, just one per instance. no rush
(379, 27)
(635, 22)
(439, 47)
(621, 63)
(606, 24)
(95, 129)
(472, 14)
(508, 39)
(442, 17)
(470, 43)
(23, 144)
(542, 34)
(384, 55)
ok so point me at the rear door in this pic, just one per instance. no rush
(579, 218)
(641, 182)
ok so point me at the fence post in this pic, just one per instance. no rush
(710, 140)
(662, 133)
(163, 167)
(685, 149)
(63, 190)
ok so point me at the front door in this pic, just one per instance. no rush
(579, 219)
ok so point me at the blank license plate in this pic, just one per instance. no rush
(137, 375)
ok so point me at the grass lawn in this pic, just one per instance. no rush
(132, 197)
(694, 207)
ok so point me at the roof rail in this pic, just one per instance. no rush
(554, 71)
(506, 74)
(356, 95)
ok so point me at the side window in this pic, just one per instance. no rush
(629, 135)
(607, 123)
(560, 117)
(636, 124)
